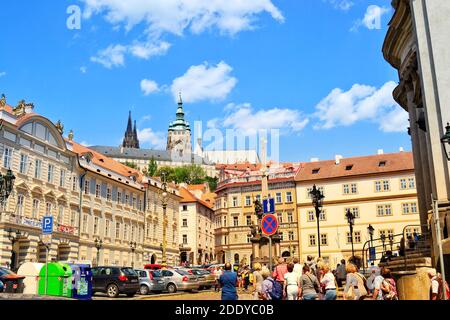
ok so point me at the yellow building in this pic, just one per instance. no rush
(380, 190)
(121, 219)
(235, 213)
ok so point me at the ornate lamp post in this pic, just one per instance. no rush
(133, 246)
(164, 201)
(383, 241)
(98, 246)
(391, 241)
(371, 231)
(317, 200)
(445, 140)
(351, 222)
(6, 185)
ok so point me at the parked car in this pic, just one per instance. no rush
(12, 283)
(150, 281)
(115, 280)
(206, 279)
(179, 280)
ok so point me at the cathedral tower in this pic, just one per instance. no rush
(131, 139)
(179, 136)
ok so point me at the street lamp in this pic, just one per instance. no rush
(445, 140)
(391, 241)
(133, 246)
(371, 230)
(351, 222)
(164, 195)
(383, 241)
(317, 200)
(98, 246)
(6, 185)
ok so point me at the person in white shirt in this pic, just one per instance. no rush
(371, 279)
(329, 283)
(434, 285)
(291, 283)
(377, 282)
(298, 267)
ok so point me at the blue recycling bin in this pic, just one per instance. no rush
(81, 281)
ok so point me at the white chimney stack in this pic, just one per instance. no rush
(338, 159)
(401, 149)
(314, 159)
(380, 151)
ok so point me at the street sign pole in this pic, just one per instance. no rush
(46, 269)
(47, 231)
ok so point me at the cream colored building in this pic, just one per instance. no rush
(235, 213)
(119, 205)
(380, 190)
(196, 227)
(416, 45)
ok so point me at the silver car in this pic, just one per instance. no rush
(150, 281)
(179, 280)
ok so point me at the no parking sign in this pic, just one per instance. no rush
(269, 224)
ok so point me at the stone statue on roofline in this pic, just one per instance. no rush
(60, 127)
(3, 101)
(22, 108)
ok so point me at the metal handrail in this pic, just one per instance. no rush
(405, 256)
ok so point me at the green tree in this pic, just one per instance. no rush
(152, 168)
(131, 165)
(168, 171)
(212, 183)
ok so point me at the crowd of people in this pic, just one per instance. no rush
(314, 279)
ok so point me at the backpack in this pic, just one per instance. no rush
(277, 290)
(389, 290)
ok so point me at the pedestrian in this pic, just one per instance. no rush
(257, 281)
(355, 288)
(271, 289)
(377, 282)
(280, 271)
(341, 274)
(228, 283)
(439, 288)
(291, 283)
(298, 267)
(371, 280)
(388, 286)
(328, 281)
(246, 278)
(217, 273)
(311, 264)
(309, 286)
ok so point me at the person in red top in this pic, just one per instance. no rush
(280, 271)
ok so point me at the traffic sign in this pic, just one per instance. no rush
(269, 224)
(47, 225)
(269, 206)
(372, 254)
(46, 239)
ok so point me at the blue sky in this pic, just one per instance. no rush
(311, 68)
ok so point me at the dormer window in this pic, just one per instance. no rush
(316, 171)
(382, 164)
(349, 168)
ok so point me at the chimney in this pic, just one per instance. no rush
(338, 159)
(314, 160)
(401, 149)
(380, 152)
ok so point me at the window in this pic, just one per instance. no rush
(291, 235)
(354, 188)
(225, 221)
(119, 197)
(235, 201)
(280, 217)
(107, 222)
(377, 186)
(248, 201)
(127, 199)
(290, 217)
(409, 208)
(125, 232)
(354, 211)
(349, 168)
(185, 239)
(85, 220)
(403, 184)
(278, 198)
(382, 164)
(412, 183)
(60, 215)
(350, 188)
(249, 238)
(73, 217)
(49, 209)
(117, 230)
(289, 197)
(346, 189)
(98, 191)
(316, 171)
(185, 208)
(23, 164)
(37, 169)
(86, 186)
(308, 192)
(236, 221)
(384, 210)
(62, 178)
(312, 240)
(50, 173)
(323, 239)
(74, 183)
(386, 185)
(414, 207)
(357, 235)
(35, 210)
(20, 202)
(282, 236)
(108, 194)
(323, 216)
(185, 223)
(382, 186)
(349, 238)
(249, 220)
(7, 155)
(311, 216)
(96, 225)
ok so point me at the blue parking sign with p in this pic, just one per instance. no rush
(47, 225)
(269, 206)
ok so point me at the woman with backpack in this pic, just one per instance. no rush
(388, 286)
(355, 288)
(271, 289)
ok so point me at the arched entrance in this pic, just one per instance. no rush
(63, 252)
(41, 253)
(153, 259)
(286, 255)
(236, 258)
(184, 257)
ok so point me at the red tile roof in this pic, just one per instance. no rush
(348, 167)
(188, 197)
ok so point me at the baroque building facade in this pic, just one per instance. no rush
(416, 45)
(90, 196)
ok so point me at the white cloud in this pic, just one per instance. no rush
(149, 86)
(361, 102)
(85, 144)
(372, 18)
(83, 70)
(247, 121)
(343, 5)
(112, 56)
(396, 120)
(156, 140)
(205, 82)
(175, 17)
(2, 74)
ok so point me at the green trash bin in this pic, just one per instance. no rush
(59, 280)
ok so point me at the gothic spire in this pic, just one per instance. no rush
(131, 140)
